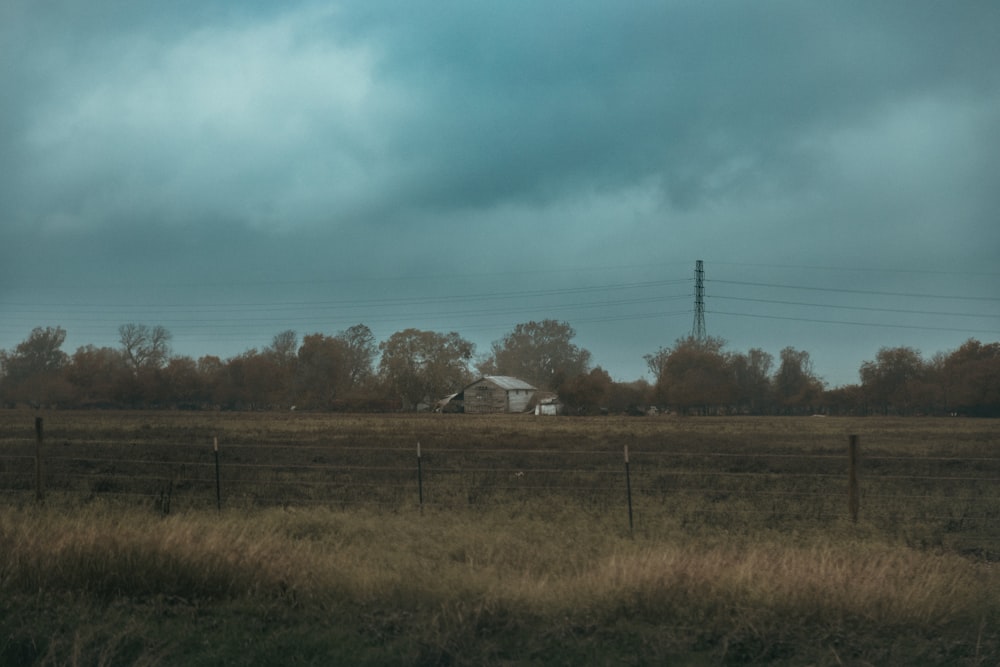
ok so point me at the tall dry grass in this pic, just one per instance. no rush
(720, 568)
(468, 588)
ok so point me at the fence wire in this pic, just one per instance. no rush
(929, 499)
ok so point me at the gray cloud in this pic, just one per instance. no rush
(324, 141)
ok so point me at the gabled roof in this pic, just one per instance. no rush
(506, 382)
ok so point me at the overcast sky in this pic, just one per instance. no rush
(232, 170)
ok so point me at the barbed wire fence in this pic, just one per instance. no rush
(946, 501)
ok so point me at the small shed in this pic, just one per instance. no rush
(495, 393)
(549, 405)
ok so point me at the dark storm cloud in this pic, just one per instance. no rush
(376, 109)
(703, 96)
(172, 143)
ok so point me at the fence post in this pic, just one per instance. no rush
(39, 493)
(420, 480)
(628, 491)
(218, 485)
(853, 500)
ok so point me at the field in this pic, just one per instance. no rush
(512, 540)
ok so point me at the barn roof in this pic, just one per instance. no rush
(506, 382)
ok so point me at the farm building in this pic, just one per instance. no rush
(548, 405)
(491, 393)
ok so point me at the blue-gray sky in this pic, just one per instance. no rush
(232, 170)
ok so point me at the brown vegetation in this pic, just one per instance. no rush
(417, 368)
(742, 549)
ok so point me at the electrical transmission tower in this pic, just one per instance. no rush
(698, 329)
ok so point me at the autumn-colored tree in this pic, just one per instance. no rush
(213, 375)
(324, 371)
(586, 393)
(98, 375)
(540, 353)
(694, 374)
(846, 400)
(282, 355)
(41, 352)
(260, 373)
(183, 383)
(896, 380)
(421, 365)
(796, 387)
(629, 397)
(752, 376)
(34, 370)
(229, 391)
(971, 379)
(245, 382)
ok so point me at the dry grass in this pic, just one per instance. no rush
(470, 589)
(493, 575)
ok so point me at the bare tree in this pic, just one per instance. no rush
(284, 346)
(143, 346)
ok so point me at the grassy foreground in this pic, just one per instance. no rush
(109, 585)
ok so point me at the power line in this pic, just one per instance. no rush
(597, 302)
(842, 290)
(393, 301)
(234, 321)
(860, 324)
(860, 269)
(356, 279)
(866, 308)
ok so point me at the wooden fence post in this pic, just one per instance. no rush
(628, 491)
(853, 500)
(39, 493)
(420, 480)
(218, 485)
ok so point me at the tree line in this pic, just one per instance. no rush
(701, 375)
(413, 368)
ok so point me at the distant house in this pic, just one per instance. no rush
(491, 394)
